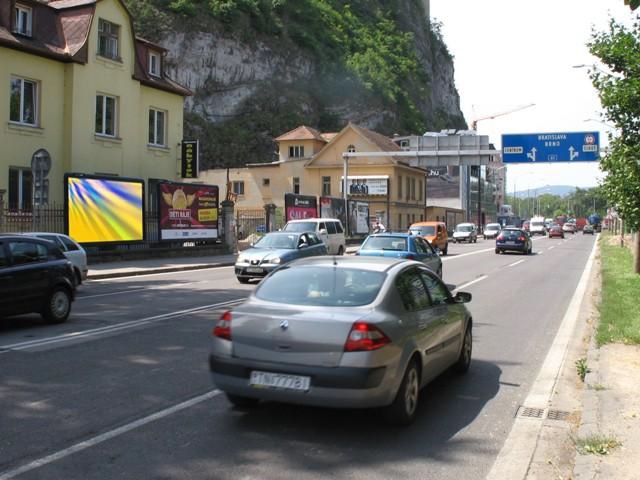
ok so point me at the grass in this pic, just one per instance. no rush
(619, 313)
(596, 444)
(598, 387)
(582, 368)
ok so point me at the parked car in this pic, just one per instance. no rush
(329, 230)
(71, 249)
(569, 227)
(402, 245)
(433, 232)
(556, 231)
(465, 232)
(491, 230)
(35, 277)
(514, 240)
(587, 229)
(342, 332)
(276, 249)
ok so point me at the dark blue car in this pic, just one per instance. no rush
(402, 245)
(514, 240)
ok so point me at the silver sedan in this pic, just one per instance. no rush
(342, 332)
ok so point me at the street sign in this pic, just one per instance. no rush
(551, 147)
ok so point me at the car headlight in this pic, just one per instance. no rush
(275, 260)
(243, 260)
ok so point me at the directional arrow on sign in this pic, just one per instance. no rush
(532, 154)
(572, 153)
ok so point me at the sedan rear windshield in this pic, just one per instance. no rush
(464, 228)
(385, 243)
(511, 234)
(300, 227)
(321, 286)
(423, 230)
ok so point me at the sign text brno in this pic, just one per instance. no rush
(551, 147)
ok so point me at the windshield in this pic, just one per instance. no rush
(493, 226)
(300, 227)
(423, 230)
(277, 241)
(321, 286)
(537, 224)
(464, 228)
(385, 243)
(511, 234)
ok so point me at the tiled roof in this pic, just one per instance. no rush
(302, 133)
(384, 143)
(328, 136)
(62, 4)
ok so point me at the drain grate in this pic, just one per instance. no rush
(557, 415)
(529, 412)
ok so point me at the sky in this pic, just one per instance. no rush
(511, 53)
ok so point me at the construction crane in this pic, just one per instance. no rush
(474, 123)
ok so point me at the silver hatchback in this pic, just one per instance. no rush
(342, 332)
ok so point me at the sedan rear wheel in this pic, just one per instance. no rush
(340, 250)
(58, 306)
(243, 279)
(403, 409)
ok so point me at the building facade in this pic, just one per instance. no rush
(81, 93)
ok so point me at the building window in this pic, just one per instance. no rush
(420, 190)
(24, 101)
(413, 188)
(407, 185)
(108, 39)
(399, 221)
(238, 187)
(296, 151)
(296, 184)
(326, 186)
(20, 188)
(154, 64)
(157, 123)
(106, 115)
(24, 20)
(266, 182)
(399, 187)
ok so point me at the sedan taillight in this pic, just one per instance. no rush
(500, 237)
(521, 239)
(365, 337)
(223, 327)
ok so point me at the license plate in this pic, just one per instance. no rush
(279, 381)
(254, 269)
(510, 243)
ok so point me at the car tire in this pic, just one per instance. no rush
(464, 359)
(404, 407)
(497, 251)
(78, 276)
(243, 279)
(239, 401)
(57, 306)
(340, 250)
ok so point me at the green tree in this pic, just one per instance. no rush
(619, 49)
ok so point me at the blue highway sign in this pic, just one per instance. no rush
(551, 147)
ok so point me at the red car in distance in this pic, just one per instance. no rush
(556, 231)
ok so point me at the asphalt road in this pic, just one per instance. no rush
(122, 390)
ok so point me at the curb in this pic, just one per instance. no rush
(135, 273)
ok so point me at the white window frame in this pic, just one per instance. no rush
(36, 89)
(156, 72)
(326, 186)
(104, 116)
(27, 12)
(23, 195)
(163, 140)
(296, 151)
(111, 37)
(238, 187)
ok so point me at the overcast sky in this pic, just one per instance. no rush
(510, 53)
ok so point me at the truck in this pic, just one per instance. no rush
(537, 226)
(594, 219)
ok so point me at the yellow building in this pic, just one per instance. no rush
(310, 163)
(79, 87)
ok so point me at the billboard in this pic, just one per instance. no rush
(366, 184)
(104, 209)
(300, 206)
(442, 182)
(358, 218)
(333, 208)
(187, 211)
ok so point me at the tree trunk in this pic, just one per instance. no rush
(622, 232)
(636, 252)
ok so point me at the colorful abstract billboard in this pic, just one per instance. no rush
(187, 211)
(300, 206)
(104, 209)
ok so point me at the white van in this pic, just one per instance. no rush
(329, 230)
(537, 225)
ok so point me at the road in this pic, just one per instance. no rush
(122, 390)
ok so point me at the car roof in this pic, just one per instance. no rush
(393, 234)
(314, 219)
(425, 224)
(376, 264)
(281, 232)
(13, 236)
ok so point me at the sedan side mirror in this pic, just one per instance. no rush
(462, 297)
(323, 231)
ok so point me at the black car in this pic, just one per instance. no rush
(35, 276)
(514, 239)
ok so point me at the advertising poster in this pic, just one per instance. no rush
(333, 208)
(443, 182)
(358, 217)
(299, 207)
(187, 211)
(104, 209)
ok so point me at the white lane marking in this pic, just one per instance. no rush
(173, 286)
(465, 285)
(512, 463)
(92, 442)
(444, 259)
(551, 248)
(515, 263)
(128, 277)
(110, 329)
(540, 252)
(82, 297)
